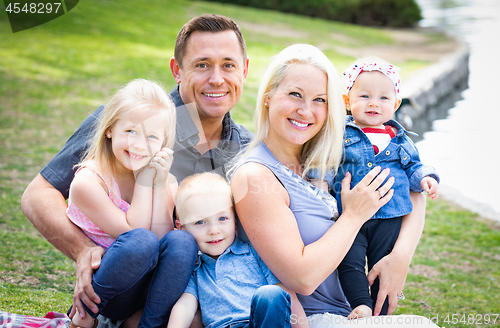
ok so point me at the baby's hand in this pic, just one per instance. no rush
(161, 162)
(321, 184)
(430, 186)
(361, 311)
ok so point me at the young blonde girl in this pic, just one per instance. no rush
(121, 197)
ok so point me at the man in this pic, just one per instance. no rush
(210, 66)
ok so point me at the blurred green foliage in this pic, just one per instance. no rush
(388, 13)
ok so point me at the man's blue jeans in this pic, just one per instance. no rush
(271, 307)
(140, 271)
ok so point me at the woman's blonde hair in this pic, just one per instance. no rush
(324, 151)
(138, 94)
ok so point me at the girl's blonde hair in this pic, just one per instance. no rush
(138, 94)
(324, 151)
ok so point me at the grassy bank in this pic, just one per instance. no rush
(52, 76)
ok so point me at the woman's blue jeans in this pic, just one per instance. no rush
(139, 271)
(270, 307)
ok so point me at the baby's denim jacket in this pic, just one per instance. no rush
(401, 157)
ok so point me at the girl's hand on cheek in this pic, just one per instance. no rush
(161, 162)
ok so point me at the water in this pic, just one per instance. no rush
(462, 146)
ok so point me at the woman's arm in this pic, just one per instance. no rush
(393, 268)
(262, 204)
(298, 317)
(89, 193)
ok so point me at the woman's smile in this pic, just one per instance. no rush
(298, 124)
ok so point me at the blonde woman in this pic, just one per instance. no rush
(293, 225)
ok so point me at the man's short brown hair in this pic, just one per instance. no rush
(206, 23)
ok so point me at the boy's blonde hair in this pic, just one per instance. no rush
(324, 150)
(138, 94)
(207, 183)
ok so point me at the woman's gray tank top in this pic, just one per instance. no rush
(314, 218)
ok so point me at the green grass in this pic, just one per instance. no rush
(456, 268)
(52, 76)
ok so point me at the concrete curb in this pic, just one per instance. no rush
(456, 197)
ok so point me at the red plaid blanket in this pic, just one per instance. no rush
(51, 320)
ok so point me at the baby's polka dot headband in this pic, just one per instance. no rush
(352, 72)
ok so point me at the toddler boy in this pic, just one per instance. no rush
(231, 284)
